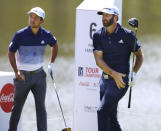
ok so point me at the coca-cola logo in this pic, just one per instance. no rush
(7, 97)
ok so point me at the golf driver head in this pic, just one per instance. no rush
(133, 22)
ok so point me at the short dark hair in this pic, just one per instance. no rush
(41, 18)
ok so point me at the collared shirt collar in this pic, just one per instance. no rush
(115, 31)
(30, 31)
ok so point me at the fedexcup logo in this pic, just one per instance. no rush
(7, 97)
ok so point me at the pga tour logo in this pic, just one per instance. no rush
(88, 72)
(80, 71)
(7, 97)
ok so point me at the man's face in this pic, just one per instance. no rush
(34, 20)
(107, 19)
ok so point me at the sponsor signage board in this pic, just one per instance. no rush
(6, 99)
(87, 73)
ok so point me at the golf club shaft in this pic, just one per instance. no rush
(133, 61)
(60, 105)
(51, 74)
(129, 102)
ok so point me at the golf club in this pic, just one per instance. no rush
(133, 22)
(66, 128)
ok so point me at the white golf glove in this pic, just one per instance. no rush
(51, 68)
(132, 78)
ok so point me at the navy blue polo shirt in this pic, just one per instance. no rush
(30, 48)
(116, 47)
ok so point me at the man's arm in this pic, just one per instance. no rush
(116, 75)
(54, 52)
(138, 61)
(12, 60)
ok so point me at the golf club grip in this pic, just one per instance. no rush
(51, 74)
(129, 102)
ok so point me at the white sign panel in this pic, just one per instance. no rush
(87, 74)
(6, 99)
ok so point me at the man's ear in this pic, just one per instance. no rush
(116, 17)
(42, 21)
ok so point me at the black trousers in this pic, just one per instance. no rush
(36, 82)
(110, 95)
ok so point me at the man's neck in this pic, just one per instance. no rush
(35, 30)
(111, 28)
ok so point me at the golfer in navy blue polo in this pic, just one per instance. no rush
(29, 45)
(113, 45)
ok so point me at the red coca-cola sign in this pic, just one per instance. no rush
(7, 97)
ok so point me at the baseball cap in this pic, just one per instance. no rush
(38, 11)
(110, 10)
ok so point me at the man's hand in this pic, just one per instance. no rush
(51, 68)
(12, 59)
(132, 78)
(20, 76)
(118, 79)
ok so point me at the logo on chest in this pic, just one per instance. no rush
(121, 41)
(42, 42)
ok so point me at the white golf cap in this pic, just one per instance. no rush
(110, 10)
(38, 11)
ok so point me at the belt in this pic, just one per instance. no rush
(105, 76)
(33, 72)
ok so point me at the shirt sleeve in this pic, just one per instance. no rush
(134, 43)
(96, 42)
(14, 44)
(52, 40)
